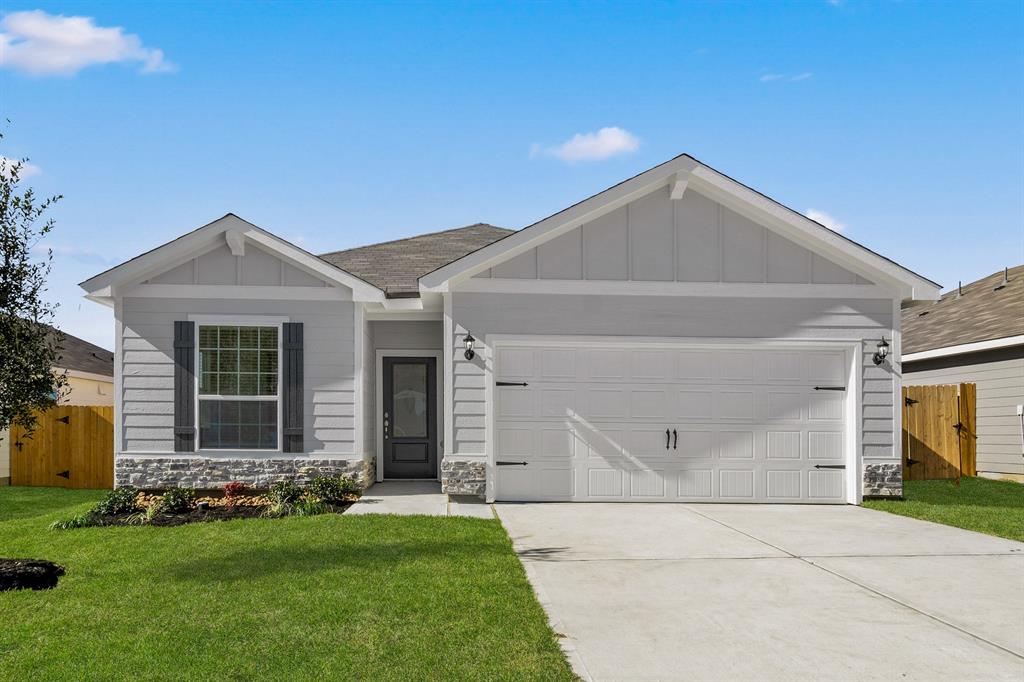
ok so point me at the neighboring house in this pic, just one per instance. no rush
(678, 336)
(90, 372)
(976, 334)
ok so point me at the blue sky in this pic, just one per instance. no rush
(336, 125)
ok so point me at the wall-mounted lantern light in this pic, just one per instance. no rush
(882, 352)
(470, 342)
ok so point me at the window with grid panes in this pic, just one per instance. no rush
(238, 387)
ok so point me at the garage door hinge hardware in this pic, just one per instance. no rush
(830, 388)
(829, 466)
(910, 401)
(510, 464)
(510, 383)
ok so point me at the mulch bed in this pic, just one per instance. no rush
(33, 574)
(207, 515)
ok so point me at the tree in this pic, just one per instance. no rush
(29, 345)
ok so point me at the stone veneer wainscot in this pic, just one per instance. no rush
(206, 473)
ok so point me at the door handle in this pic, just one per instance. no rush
(385, 426)
(668, 438)
(675, 439)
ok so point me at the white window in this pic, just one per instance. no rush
(239, 396)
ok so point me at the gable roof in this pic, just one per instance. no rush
(984, 311)
(678, 173)
(396, 266)
(99, 287)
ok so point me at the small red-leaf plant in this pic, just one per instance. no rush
(234, 490)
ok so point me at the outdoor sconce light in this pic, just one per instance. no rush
(882, 352)
(470, 342)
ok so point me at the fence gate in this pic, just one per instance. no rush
(72, 447)
(939, 437)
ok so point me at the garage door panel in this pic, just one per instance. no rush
(694, 483)
(735, 405)
(736, 483)
(784, 445)
(743, 425)
(605, 482)
(736, 445)
(783, 485)
(648, 483)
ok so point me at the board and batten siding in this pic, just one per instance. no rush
(674, 317)
(147, 370)
(657, 239)
(1000, 385)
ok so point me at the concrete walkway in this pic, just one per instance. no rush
(771, 592)
(418, 497)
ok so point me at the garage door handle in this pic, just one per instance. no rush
(668, 438)
(510, 464)
(675, 439)
(829, 466)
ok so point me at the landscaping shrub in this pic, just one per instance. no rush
(331, 488)
(285, 492)
(79, 521)
(178, 500)
(234, 490)
(117, 501)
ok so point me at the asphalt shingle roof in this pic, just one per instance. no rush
(983, 312)
(395, 267)
(78, 354)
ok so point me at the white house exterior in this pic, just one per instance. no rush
(677, 337)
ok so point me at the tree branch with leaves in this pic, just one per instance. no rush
(29, 345)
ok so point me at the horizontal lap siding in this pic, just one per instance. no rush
(148, 369)
(663, 316)
(1000, 389)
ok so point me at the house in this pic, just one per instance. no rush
(90, 373)
(975, 334)
(678, 336)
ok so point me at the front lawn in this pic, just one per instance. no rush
(981, 504)
(332, 597)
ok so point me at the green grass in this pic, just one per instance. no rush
(332, 597)
(981, 504)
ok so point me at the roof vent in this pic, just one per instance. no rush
(959, 288)
(923, 313)
(1006, 280)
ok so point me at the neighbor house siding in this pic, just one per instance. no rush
(1000, 388)
(662, 316)
(148, 369)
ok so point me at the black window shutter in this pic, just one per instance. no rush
(184, 387)
(291, 392)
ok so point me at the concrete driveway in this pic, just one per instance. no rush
(768, 592)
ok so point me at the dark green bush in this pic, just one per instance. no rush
(117, 501)
(285, 492)
(178, 500)
(331, 488)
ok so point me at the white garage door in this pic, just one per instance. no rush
(588, 422)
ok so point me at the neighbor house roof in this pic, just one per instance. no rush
(81, 356)
(985, 310)
(396, 266)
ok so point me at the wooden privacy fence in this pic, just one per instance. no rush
(939, 437)
(72, 447)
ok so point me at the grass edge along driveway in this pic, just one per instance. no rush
(979, 504)
(332, 597)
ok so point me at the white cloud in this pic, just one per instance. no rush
(604, 144)
(27, 169)
(45, 44)
(76, 253)
(825, 219)
(769, 77)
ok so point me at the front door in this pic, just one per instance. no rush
(409, 415)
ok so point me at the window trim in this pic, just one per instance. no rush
(238, 321)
